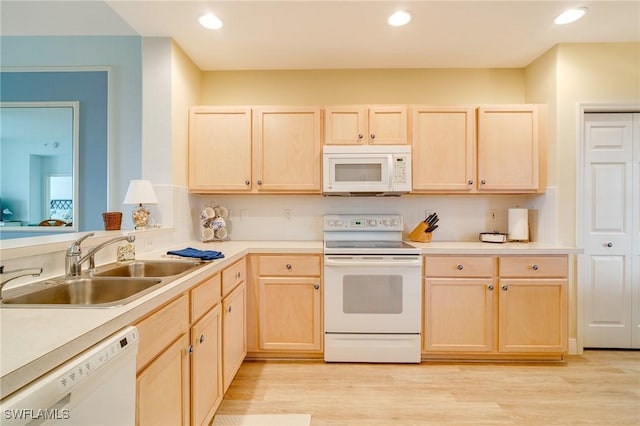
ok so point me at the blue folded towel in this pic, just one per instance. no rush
(200, 254)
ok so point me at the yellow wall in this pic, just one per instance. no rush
(185, 91)
(386, 86)
(600, 72)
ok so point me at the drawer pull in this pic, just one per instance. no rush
(288, 266)
(460, 267)
(609, 244)
(535, 267)
(490, 287)
(505, 287)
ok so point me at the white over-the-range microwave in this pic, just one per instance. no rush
(366, 169)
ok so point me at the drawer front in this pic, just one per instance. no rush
(205, 296)
(161, 328)
(533, 266)
(290, 265)
(459, 266)
(233, 275)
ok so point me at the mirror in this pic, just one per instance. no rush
(39, 166)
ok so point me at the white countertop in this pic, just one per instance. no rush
(36, 340)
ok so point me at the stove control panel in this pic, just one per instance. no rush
(374, 222)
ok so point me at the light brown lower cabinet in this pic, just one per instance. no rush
(483, 306)
(163, 387)
(285, 306)
(234, 336)
(206, 366)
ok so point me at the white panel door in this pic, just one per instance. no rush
(635, 251)
(610, 296)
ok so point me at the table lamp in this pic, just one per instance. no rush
(140, 192)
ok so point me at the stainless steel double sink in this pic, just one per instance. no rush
(111, 285)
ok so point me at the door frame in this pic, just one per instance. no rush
(582, 264)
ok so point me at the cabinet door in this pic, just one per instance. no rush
(206, 366)
(289, 313)
(345, 125)
(388, 125)
(162, 396)
(234, 337)
(287, 150)
(219, 149)
(508, 148)
(459, 315)
(533, 315)
(443, 149)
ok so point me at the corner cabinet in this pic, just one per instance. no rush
(361, 125)
(254, 150)
(220, 149)
(489, 149)
(285, 305)
(486, 307)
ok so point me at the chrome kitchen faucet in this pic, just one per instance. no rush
(36, 272)
(73, 260)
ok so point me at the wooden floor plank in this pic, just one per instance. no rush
(597, 388)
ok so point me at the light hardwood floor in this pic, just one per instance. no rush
(598, 388)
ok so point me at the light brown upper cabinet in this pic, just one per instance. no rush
(511, 148)
(361, 125)
(219, 149)
(491, 149)
(444, 148)
(254, 150)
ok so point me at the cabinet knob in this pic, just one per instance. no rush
(460, 267)
(316, 286)
(259, 182)
(201, 339)
(288, 266)
(470, 182)
(372, 135)
(609, 244)
(247, 182)
(360, 136)
(482, 181)
(190, 349)
(535, 267)
(238, 275)
(490, 287)
(229, 310)
(505, 287)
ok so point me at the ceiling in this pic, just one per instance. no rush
(336, 34)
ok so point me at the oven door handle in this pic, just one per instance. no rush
(371, 261)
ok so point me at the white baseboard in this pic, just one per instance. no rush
(573, 347)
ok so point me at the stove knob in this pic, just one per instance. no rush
(372, 222)
(339, 223)
(385, 222)
(395, 222)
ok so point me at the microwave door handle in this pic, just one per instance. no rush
(391, 171)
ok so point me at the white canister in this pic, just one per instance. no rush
(518, 225)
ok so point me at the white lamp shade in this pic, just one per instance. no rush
(140, 192)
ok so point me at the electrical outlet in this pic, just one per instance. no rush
(287, 214)
(492, 215)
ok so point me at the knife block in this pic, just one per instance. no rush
(419, 235)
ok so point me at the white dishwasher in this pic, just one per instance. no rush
(97, 387)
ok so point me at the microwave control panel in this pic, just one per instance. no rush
(399, 168)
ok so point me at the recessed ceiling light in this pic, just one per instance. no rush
(399, 18)
(210, 21)
(570, 15)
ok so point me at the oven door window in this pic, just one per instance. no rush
(372, 294)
